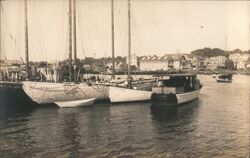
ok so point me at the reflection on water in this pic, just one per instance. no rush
(215, 125)
(11, 105)
(165, 114)
(174, 128)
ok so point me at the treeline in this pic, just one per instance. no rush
(91, 60)
(96, 64)
(213, 52)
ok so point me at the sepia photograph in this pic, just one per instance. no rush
(125, 78)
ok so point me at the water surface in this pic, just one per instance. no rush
(215, 125)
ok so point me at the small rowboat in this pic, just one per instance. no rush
(226, 78)
(75, 103)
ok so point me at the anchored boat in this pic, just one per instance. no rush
(128, 91)
(226, 78)
(175, 89)
(127, 94)
(44, 92)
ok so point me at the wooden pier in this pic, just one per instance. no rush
(8, 84)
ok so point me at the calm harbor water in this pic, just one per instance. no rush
(215, 125)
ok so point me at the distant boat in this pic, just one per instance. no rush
(226, 78)
(75, 103)
(176, 89)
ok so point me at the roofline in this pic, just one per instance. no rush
(177, 74)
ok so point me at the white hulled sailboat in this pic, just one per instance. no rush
(128, 93)
(43, 93)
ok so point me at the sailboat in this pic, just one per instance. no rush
(128, 92)
(70, 92)
(12, 96)
(226, 77)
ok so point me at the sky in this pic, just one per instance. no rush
(158, 27)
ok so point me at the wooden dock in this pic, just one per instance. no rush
(9, 84)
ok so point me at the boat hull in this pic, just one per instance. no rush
(225, 81)
(174, 99)
(75, 103)
(44, 93)
(187, 97)
(119, 95)
(164, 99)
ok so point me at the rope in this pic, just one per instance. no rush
(8, 26)
(78, 14)
(64, 35)
(40, 39)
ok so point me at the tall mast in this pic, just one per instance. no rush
(74, 38)
(226, 54)
(129, 43)
(112, 39)
(26, 39)
(70, 41)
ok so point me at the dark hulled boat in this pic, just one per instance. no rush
(176, 89)
(226, 78)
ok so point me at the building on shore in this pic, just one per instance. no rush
(240, 60)
(213, 63)
(154, 63)
(200, 61)
(133, 60)
(167, 62)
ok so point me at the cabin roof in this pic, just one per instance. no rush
(190, 74)
(180, 74)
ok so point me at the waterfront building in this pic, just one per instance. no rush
(153, 63)
(239, 60)
(241, 64)
(193, 61)
(166, 62)
(133, 60)
(215, 62)
(201, 61)
(119, 67)
(176, 61)
(181, 61)
(236, 58)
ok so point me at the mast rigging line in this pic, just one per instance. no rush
(129, 42)
(74, 32)
(85, 32)
(19, 37)
(40, 38)
(9, 31)
(70, 38)
(80, 31)
(137, 36)
(112, 39)
(62, 42)
(120, 30)
(74, 38)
